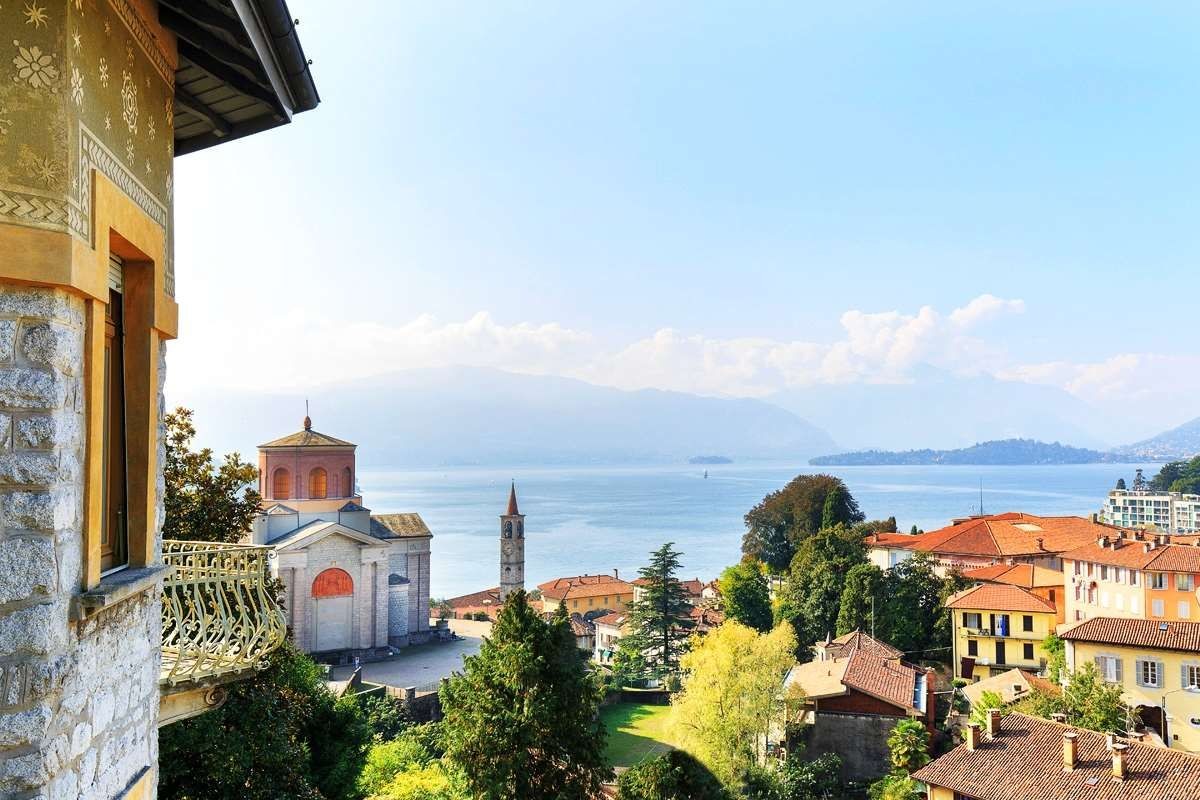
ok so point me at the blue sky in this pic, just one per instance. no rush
(721, 198)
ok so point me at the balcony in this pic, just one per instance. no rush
(219, 621)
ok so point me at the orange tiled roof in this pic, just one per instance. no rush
(847, 643)
(1000, 597)
(1004, 535)
(307, 438)
(888, 679)
(1027, 576)
(484, 598)
(1125, 551)
(693, 587)
(1146, 633)
(705, 619)
(614, 619)
(1024, 761)
(584, 586)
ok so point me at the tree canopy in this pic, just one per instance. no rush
(1086, 700)
(731, 683)
(657, 625)
(784, 518)
(811, 594)
(1178, 476)
(745, 596)
(520, 720)
(205, 501)
(674, 775)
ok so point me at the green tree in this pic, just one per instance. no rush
(280, 734)
(730, 694)
(205, 501)
(659, 622)
(520, 720)
(819, 779)
(896, 787)
(386, 716)
(988, 701)
(1093, 704)
(386, 760)
(812, 591)
(784, 518)
(1056, 663)
(908, 746)
(914, 616)
(1178, 476)
(674, 775)
(745, 596)
(863, 591)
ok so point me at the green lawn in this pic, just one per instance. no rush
(636, 731)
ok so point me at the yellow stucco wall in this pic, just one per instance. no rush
(581, 605)
(1182, 706)
(1014, 642)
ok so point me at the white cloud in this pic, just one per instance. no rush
(983, 308)
(1125, 379)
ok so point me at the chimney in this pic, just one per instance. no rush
(1109, 739)
(993, 723)
(973, 736)
(1041, 543)
(1059, 718)
(1134, 736)
(616, 574)
(1118, 761)
(1070, 750)
(1103, 540)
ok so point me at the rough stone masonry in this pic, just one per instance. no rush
(78, 697)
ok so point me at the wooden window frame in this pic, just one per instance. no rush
(312, 483)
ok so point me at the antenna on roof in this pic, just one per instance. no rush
(981, 495)
(307, 419)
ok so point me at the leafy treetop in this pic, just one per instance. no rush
(784, 518)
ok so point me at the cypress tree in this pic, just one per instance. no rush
(659, 623)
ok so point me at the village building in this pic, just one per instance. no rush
(1047, 584)
(586, 594)
(1133, 574)
(609, 630)
(1019, 757)
(356, 584)
(1156, 664)
(1012, 686)
(693, 590)
(998, 627)
(1009, 538)
(854, 692)
(102, 637)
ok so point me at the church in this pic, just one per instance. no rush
(355, 583)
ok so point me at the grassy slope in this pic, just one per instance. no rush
(636, 732)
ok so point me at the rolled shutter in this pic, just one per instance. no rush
(116, 272)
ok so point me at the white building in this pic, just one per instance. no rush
(355, 583)
(1166, 512)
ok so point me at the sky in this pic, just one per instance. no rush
(727, 199)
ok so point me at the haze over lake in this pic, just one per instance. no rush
(593, 519)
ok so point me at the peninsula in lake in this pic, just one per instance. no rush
(1003, 451)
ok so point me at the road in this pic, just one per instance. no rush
(422, 665)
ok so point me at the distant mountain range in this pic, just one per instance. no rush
(1178, 443)
(1005, 451)
(466, 415)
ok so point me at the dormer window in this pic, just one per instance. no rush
(318, 484)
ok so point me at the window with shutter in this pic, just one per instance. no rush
(113, 531)
(1190, 674)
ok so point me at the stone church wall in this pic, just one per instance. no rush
(78, 699)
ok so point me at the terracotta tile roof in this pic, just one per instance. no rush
(705, 619)
(1150, 634)
(614, 619)
(1026, 576)
(1025, 762)
(819, 679)
(888, 679)
(1004, 535)
(306, 438)
(694, 587)
(847, 643)
(398, 526)
(1126, 551)
(1004, 684)
(584, 586)
(999, 597)
(484, 598)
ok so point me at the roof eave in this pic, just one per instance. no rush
(272, 32)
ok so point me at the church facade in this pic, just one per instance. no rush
(355, 583)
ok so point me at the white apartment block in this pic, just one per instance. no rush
(1167, 512)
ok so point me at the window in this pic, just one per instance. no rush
(972, 647)
(1190, 674)
(1157, 608)
(1133, 577)
(1027, 622)
(333, 582)
(1118, 575)
(1001, 655)
(1109, 668)
(114, 533)
(1158, 580)
(1149, 673)
(1184, 609)
(1027, 651)
(1104, 572)
(281, 484)
(1184, 583)
(1078, 567)
(972, 620)
(318, 484)
(347, 483)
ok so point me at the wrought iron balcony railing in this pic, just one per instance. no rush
(218, 615)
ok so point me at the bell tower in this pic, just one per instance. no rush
(512, 547)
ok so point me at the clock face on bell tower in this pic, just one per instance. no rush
(512, 547)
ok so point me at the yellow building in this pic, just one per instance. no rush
(1156, 663)
(107, 631)
(998, 627)
(584, 593)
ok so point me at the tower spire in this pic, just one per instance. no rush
(512, 501)
(307, 419)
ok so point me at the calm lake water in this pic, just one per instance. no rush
(596, 519)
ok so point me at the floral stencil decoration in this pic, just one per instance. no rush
(35, 67)
(38, 167)
(103, 72)
(76, 86)
(129, 103)
(35, 15)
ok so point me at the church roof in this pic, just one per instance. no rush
(512, 501)
(307, 438)
(398, 526)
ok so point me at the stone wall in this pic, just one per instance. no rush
(859, 739)
(78, 699)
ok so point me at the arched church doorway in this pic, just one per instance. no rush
(333, 596)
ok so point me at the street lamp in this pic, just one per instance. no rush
(1193, 689)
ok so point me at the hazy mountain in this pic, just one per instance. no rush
(1006, 451)
(942, 411)
(1179, 442)
(470, 415)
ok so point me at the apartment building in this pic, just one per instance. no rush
(1166, 512)
(1133, 574)
(999, 627)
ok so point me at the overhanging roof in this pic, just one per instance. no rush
(241, 69)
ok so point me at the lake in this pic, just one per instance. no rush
(596, 519)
